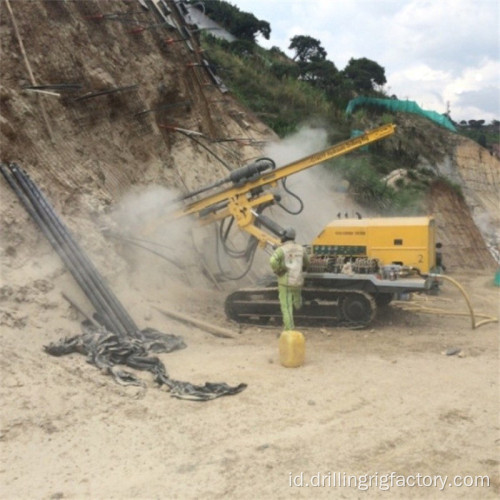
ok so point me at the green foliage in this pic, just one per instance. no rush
(242, 25)
(309, 63)
(270, 90)
(387, 118)
(477, 130)
(362, 171)
(364, 74)
(242, 47)
(285, 70)
(307, 49)
(321, 74)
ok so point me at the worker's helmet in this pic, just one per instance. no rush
(289, 234)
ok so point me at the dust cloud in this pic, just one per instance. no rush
(148, 213)
(143, 221)
(162, 249)
(142, 217)
(321, 191)
(490, 233)
(306, 141)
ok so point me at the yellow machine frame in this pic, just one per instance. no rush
(408, 241)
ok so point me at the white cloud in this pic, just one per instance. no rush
(475, 93)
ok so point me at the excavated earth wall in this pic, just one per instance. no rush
(87, 153)
(464, 199)
(469, 219)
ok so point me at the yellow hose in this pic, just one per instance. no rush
(473, 316)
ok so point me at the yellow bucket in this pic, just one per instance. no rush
(292, 345)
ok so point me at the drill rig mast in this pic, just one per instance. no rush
(248, 194)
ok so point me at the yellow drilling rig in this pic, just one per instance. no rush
(385, 256)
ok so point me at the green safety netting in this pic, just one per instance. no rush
(403, 106)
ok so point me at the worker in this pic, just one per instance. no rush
(288, 262)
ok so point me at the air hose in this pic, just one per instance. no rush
(475, 324)
(297, 197)
(249, 253)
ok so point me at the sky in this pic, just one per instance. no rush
(442, 54)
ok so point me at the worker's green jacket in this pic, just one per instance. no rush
(288, 262)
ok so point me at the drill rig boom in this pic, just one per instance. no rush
(245, 199)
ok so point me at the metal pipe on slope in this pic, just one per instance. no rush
(123, 324)
(91, 270)
(78, 269)
(55, 243)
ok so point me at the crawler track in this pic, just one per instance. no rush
(329, 298)
(321, 306)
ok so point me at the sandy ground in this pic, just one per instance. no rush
(368, 402)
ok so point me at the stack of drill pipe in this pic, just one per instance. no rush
(107, 306)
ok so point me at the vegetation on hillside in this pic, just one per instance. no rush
(243, 25)
(485, 134)
(307, 88)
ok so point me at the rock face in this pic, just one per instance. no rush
(464, 244)
(468, 218)
(87, 149)
(466, 197)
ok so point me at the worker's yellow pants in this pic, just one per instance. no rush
(290, 299)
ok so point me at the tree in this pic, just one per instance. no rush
(315, 71)
(312, 63)
(322, 74)
(307, 48)
(245, 26)
(364, 74)
(476, 123)
(265, 29)
(242, 25)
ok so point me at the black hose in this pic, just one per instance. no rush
(112, 234)
(301, 203)
(229, 226)
(187, 134)
(144, 247)
(250, 252)
(223, 235)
